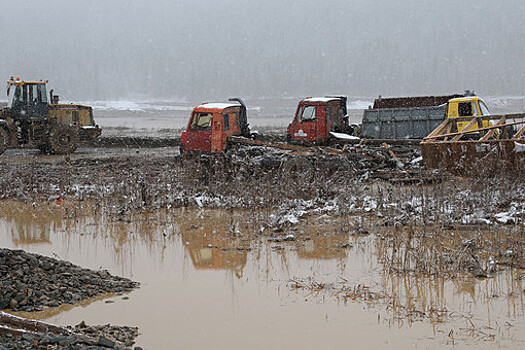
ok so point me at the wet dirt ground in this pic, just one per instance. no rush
(209, 278)
(340, 262)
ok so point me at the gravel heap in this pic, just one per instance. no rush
(31, 282)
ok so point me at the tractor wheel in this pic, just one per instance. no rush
(62, 140)
(4, 140)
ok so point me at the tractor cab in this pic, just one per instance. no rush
(316, 117)
(27, 99)
(211, 124)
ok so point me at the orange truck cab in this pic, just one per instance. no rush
(316, 117)
(211, 124)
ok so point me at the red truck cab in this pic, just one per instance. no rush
(211, 124)
(316, 117)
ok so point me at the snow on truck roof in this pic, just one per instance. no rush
(320, 99)
(218, 105)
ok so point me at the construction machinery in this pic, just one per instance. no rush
(215, 128)
(401, 118)
(324, 120)
(31, 119)
(212, 124)
(319, 119)
(499, 145)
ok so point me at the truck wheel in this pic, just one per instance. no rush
(62, 140)
(4, 140)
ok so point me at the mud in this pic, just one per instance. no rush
(346, 252)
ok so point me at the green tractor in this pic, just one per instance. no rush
(30, 119)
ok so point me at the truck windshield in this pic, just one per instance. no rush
(201, 121)
(484, 109)
(465, 109)
(307, 114)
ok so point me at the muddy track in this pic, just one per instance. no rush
(133, 141)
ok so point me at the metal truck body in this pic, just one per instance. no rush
(417, 117)
(211, 124)
(316, 117)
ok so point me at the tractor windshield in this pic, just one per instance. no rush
(14, 94)
(37, 93)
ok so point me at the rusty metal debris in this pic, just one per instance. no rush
(477, 149)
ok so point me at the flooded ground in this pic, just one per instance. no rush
(213, 277)
(250, 257)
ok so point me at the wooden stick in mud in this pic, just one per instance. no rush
(17, 325)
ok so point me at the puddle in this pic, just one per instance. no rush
(214, 278)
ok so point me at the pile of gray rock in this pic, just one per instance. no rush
(32, 282)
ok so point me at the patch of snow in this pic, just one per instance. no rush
(359, 104)
(343, 136)
(123, 105)
(504, 217)
(416, 160)
(218, 105)
(519, 147)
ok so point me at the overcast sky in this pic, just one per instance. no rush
(212, 49)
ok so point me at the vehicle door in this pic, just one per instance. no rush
(218, 137)
(306, 120)
(198, 135)
(467, 109)
(37, 106)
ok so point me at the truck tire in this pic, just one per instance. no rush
(4, 140)
(62, 139)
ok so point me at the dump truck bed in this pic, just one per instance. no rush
(401, 123)
(413, 102)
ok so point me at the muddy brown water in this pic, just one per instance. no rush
(210, 279)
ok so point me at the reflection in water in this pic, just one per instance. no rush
(31, 225)
(211, 250)
(183, 257)
(324, 247)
